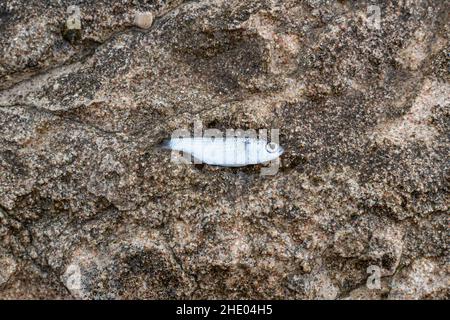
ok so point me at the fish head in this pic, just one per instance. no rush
(271, 151)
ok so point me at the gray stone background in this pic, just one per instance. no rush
(91, 209)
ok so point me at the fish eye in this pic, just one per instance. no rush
(271, 147)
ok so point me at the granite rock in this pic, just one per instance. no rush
(90, 208)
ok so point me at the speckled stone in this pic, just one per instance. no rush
(91, 208)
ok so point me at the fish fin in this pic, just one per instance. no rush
(226, 166)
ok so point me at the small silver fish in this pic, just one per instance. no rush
(226, 152)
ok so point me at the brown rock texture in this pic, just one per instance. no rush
(90, 208)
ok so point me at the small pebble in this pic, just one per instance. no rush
(143, 20)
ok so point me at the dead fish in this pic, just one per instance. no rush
(226, 152)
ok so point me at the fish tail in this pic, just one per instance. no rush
(165, 144)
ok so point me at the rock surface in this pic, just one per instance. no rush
(91, 209)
